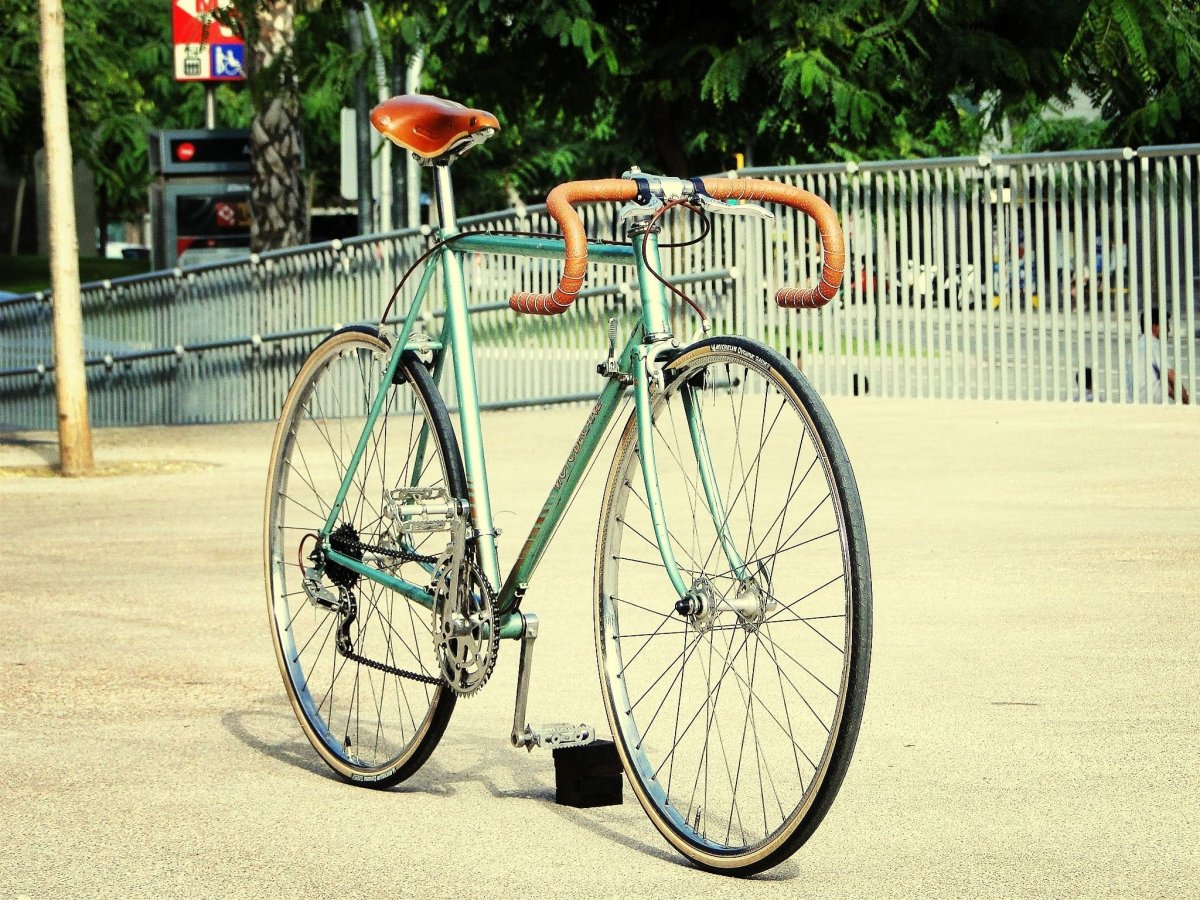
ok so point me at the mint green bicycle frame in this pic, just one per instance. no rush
(637, 361)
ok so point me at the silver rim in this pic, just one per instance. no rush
(727, 719)
(366, 723)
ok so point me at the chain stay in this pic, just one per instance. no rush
(403, 555)
(348, 653)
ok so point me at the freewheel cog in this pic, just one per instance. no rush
(465, 631)
(344, 539)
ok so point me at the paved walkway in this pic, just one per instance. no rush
(1030, 729)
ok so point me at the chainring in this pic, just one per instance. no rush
(466, 633)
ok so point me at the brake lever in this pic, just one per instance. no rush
(708, 204)
(712, 205)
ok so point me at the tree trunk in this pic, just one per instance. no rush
(18, 214)
(277, 197)
(70, 382)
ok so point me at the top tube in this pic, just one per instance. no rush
(544, 248)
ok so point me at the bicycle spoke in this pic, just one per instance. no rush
(371, 720)
(748, 672)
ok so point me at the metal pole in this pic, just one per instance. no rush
(385, 152)
(362, 129)
(210, 105)
(412, 173)
(399, 189)
(70, 382)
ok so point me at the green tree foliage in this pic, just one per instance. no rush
(1139, 61)
(120, 86)
(587, 87)
(783, 81)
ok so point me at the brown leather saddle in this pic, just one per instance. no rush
(432, 127)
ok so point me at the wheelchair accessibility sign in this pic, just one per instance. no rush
(227, 61)
(205, 48)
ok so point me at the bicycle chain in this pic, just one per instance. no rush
(410, 556)
(404, 556)
(390, 670)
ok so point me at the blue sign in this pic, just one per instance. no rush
(228, 61)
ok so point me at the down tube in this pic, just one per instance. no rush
(564, 487)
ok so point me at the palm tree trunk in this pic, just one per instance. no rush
(277, 197)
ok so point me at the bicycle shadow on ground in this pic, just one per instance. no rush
(295, 750)
(494, 767)
(274, 733)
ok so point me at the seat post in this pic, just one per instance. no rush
(443, 192)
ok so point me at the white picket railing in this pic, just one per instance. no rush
(1019, 277)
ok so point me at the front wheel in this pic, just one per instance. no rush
(735, 709)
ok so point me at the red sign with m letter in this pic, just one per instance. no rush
(205, 49)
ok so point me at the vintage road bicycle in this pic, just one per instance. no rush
(732, 577)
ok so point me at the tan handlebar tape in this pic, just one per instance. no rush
(833, 247)
(561, 202)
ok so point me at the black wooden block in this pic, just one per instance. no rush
(588, 799)
(584, 784)
(588, 776)
(596, 758)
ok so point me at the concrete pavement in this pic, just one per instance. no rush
(1031, 726)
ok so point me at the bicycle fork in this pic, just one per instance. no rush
(697, 599)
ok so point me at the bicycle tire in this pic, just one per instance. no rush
(319, 425)
(802, 741)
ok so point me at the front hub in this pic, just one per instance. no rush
(749, 606)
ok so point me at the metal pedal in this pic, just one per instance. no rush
(557, 735)
(422, 510)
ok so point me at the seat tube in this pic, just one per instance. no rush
(458, 329)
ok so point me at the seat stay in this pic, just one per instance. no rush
(439, 362)
(381, 393)
(335, 509)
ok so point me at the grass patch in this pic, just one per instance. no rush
(26, 274)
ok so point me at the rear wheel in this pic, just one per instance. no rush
(358, 659)
(735, 710)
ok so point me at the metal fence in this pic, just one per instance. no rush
(1018, 277)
